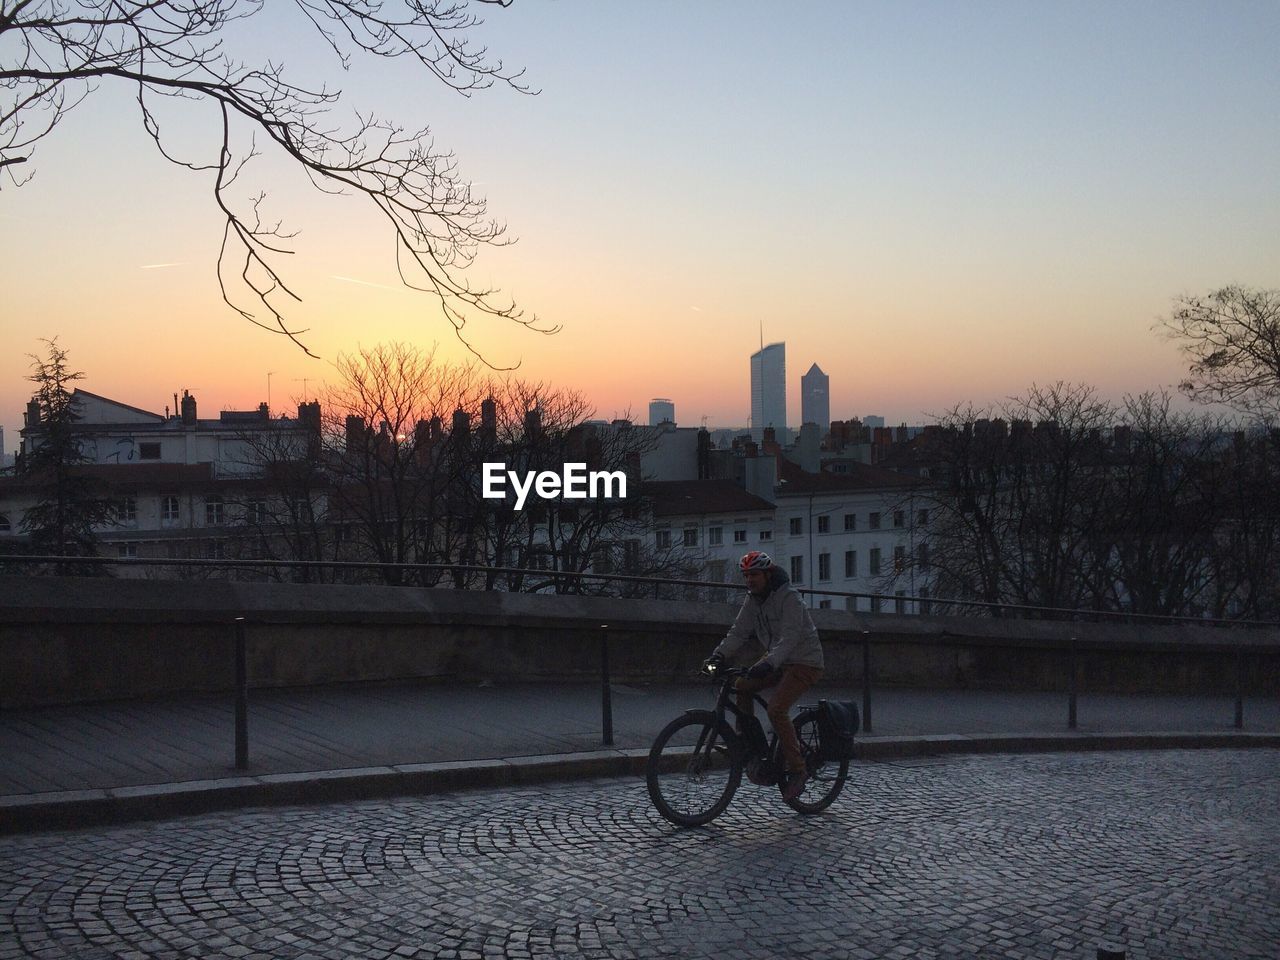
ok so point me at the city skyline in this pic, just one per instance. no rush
(945, 206)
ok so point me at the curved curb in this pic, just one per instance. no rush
(90, 808)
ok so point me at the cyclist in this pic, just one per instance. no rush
(776, 616)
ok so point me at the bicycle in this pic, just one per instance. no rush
(697, 761)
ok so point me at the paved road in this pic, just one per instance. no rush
(1166, 854)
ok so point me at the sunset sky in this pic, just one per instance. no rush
(939, 203)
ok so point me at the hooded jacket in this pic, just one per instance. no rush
(780, 621)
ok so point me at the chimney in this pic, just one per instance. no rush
(704, 454)
(355, 433)
(33, 413)
(188, 409)
(489, 416)
(461, 427)
(309, 419)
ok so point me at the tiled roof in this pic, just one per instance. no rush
(682, 497)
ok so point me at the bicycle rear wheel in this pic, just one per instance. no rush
(692, 771)
(826, 777)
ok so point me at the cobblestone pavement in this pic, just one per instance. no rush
(1164, 854)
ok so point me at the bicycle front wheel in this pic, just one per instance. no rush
(692, 771)
(826, 777)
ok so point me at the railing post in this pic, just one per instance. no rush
(866, 680)
(242, 696)
(606, 694)
(1239, 688)
(1072, 668)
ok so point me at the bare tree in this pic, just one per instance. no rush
(1151, 551)
(1019, 491)
(55, 53)
(284, 500)
(394, 468)
(1232, 338)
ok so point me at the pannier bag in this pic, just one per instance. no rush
(837, 725)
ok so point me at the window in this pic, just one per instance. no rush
(875, 604)
(850, 564)
(631, 554)
(874, 562)
(213, 511)
(766, 534)
(664, 539)
(926, 607)
(715, 536)
(148, 451)
(255, 512)
(739, 536)
(824, 604)
(690, 536)
(922, 552)
(126, 510)
(922, 518)
(128, 551)
(797, 569)
(899, 602)
(169, 508)
(215, 550)
(824, 566)
(899, 519)
(794, 526)
(824, 524)
(873, 521)
(899, 559)
(850, 522)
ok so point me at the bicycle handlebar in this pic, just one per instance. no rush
(724, 673)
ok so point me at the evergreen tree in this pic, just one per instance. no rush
(61, 523)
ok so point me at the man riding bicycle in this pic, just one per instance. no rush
(775, 615)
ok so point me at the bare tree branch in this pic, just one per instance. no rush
(1232, 338)
(55, 53)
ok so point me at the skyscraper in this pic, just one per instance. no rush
(815, 399)
(769, 392)
(661, 410)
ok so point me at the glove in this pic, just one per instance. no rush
(759, 670)
(713, 663)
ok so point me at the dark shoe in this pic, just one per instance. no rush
(795, 786)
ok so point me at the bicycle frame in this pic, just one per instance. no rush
(726, 705)
(697, 760)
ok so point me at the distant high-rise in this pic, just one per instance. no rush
(815, 399)
(661, 410)
(769, 392)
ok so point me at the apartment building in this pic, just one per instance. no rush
(181, 486)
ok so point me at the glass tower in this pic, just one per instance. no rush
(769, 392)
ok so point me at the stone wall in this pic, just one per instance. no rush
(73, 639)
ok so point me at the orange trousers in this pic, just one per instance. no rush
(791, 682)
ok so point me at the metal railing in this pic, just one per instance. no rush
(556, 579)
